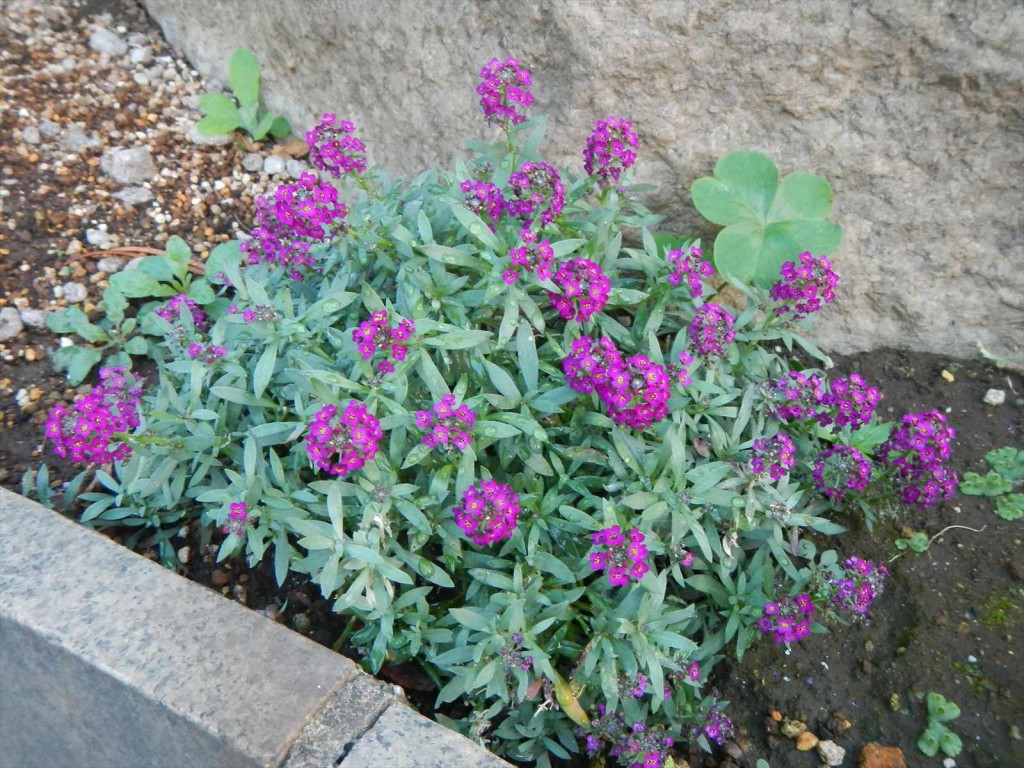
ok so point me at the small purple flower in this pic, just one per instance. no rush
(611, 149)
(789, 619)
(237, 519)
(533, 256)
(584, 290)
(333, 148)
(488, 512)
(712, 330)
(773, 456)
(485, 200)
(171, 311)
(447, 424)
(805, 286)
(915, 455)
(839, 470)
(538, 192)
(689, 267)
(353, 436)
(376, 335)
(624, 556)
(504, 92)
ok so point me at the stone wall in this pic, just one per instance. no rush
(914, 111)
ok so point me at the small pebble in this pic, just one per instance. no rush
(219, 578)
(141, 56)
(295, 168)
(183, 554)
(806, 741)
(10, 323)
(129, 165)
(105, 41)
(30, 134)
(947, 376)
(134, 195)
(949, 762)
(274, 165)
(831, 753)
(792, 728)
(110, 264)
(98, 237)
(33, 318)
(209, 141)
(252, 162)
(75, 293)
(49, 128)
(995, 397)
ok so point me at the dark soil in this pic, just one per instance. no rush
(951, 618)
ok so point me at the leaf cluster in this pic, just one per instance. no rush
(226, 115)
(1007, 473)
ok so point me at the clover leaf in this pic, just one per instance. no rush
(767, 223)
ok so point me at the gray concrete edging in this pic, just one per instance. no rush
(108, 659)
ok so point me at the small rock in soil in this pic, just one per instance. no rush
(252, 162)
(301, 622)
(806, 741)
(793, 728)
(141, 56)
(105, 41)
(134, 195)
(219, 578)
(110, 264)
(241, 594)
(831, 753)
(949, 762)
(98, 237)
(183, 554)
(132, 165)
(995, 397)
(274, 165)
(874, 755)
(219, 140)
(76, 139)
(30, 134)
(839, 723)
(33, 318)
(295, 168)
(49, 128)
(10, 323)
(75, 293)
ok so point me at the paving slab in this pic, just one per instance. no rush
(157, 670)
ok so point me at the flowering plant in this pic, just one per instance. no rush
(513, 434)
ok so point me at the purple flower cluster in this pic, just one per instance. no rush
(805, 287)
(717, 727)
(86, 433)
(681, 371)
(798, 396)
(584, 288)
(260, 313)
(533, 256)
(639, 393)
(916, 452)
(333, 148)
(688, 266)
(483, 198)
(788, 619)
(712, 330)
(377, 335)
(488, 512)
(171, 311)
(447, 424)
(623, 558)
(237, 519)
(853, 400)
(853, 592)
(839, 470)
(208, 354)
(611, 149)
(504, 90)
(288, 224)
(636, 391)
(353, 437)
(636, 746)
(774, 456)
(538, 191)
(512, 657)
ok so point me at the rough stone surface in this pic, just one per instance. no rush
(135, 666)
(133, 165)
(134, 195)
(33, 318)
(831, 753)
(10, 323)
(400, 737)
(347, 715)
(913, 112)
(874, 755)
(105, 41)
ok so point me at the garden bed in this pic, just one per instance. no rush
(949, 621)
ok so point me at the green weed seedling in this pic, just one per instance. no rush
(1007, 474)
(937, 736)
(224, 115)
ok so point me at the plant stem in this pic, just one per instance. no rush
(937, 535)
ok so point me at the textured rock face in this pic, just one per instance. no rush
(913, 111)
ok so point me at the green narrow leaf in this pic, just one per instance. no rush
(264, 370)
(526, 350)
(502, 381)
(222, 115)
(244, 76)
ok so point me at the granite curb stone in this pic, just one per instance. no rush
(135, 666)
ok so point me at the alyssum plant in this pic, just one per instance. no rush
(557, 470)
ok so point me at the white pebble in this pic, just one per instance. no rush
(110, 265)
(97, 237)
(33, 318)
(252, 162)
(10, 323)
(274, 165)
(75, 293)
(105, 41)
(141, 56)
(995, 397)
(296, 168)
(31, 134)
